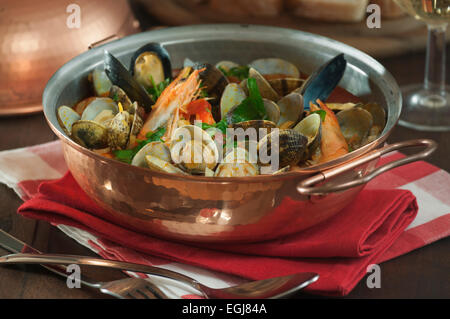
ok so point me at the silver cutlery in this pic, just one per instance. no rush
(277, 287)
(127, 288)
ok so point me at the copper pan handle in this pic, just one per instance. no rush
(306, 187)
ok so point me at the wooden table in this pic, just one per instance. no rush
(420, 274)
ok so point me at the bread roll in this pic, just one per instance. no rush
(262, 8)
(389, 9)
(329, 10)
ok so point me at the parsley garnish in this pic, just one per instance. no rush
(241, 72)
(156, 89)
(251, 108)
(322, 114)
(127, 155)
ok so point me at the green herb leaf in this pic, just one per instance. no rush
(241, 72)
(127, 156)
(322, 114)
(251, 108)
(156, 89)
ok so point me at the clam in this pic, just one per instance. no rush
(119, 95)
(232, 95)
(337, 107)
(282, 147)
(193, 149)
(272, 110)
(260, 127)
(81, 106)
(66, 117)
(100, 82)
(136, 125)
(323, 81)
(120, 76)
(100, 110)
(90, 134)
(378, 114)
(311, 128)
(284, 86)
(272, 66)
(156, 149)
(160, 165)
(151, 62)
(226, 65)
(355, 124)
(214, 83)
(236, 170)
(264, 87)
(237, 163)
(291, 109)
(119, 131)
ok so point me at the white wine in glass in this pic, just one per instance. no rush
(426, 106)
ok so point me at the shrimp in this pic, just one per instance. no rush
(333, 143)
(180, 92)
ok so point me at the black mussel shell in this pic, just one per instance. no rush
(323, 81)
(214, 83)
(120, 76)
(160, 52)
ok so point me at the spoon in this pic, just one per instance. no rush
(268, 288)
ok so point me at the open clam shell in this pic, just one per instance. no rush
(156, 149)
(275, 66)
(237, 163)
(282, 147)
(193, 149)
(355, 124)
(260, 128)
(311, 128)
(226, 65)
(119, 95)
(97, 106)
(291, 109)
(66, 117)
(272, 110)
(284, 86)
(157, 164)
(119, 131)
(264, 87)
(232, 95)
(90, 134)
(100, 82)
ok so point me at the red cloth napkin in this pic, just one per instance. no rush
(340, 249)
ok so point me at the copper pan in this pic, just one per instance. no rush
(202, 209)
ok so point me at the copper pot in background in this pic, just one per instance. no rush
(36, 40)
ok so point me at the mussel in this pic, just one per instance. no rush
(120, 76)
(323, 81)
(150, 65)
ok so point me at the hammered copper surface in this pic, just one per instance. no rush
(36, 40)
(202, 209)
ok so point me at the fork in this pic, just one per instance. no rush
(131, 288)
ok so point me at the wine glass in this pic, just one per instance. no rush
(426, 106)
